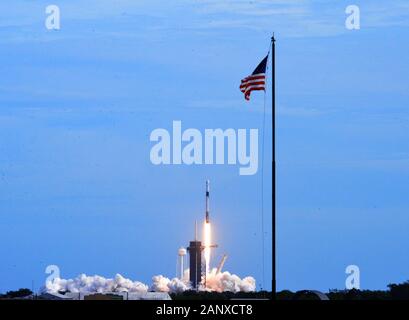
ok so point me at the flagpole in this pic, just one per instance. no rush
(273, 95)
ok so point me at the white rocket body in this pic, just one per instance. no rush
(207, 200)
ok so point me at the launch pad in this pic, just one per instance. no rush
(196, 248)
(195, 262)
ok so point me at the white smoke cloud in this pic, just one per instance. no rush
(223, 281)
(95, 284)
(163, 284)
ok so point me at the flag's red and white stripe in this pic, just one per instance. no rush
(252, 83)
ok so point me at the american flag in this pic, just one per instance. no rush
(255, 81)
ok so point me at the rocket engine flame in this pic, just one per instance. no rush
(207, 244)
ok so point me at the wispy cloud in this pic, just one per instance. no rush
(293, 18)
(253, 8)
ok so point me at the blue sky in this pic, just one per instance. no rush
(77, 105)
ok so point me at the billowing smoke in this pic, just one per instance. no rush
(98, 284)
(223, 281)
(163, 284)
(95, 284)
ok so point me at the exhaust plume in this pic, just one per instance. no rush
(220, 282)
(95, 284)
(225, 281)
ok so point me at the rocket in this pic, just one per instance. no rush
(207, 200)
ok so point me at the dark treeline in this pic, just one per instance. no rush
(394, 292)
(202, 295)
(20, 293)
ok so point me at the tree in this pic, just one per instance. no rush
(23, 292)
(399, 291)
